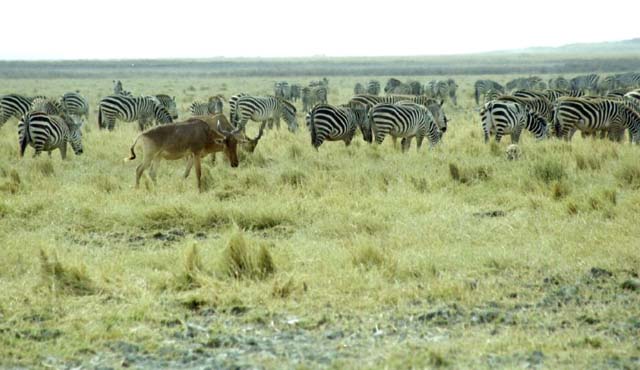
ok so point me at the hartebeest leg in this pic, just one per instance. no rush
(187, 170)
(196, 159)
(153, 171)
(141, 167)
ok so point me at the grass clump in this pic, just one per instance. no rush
(13, 184)
(45, 167)
(629, 174)
(243, 261)
(64, 279)
(106, 184)
(588, 162)
(469, 175)
(549, 171)
(191, 276)
(293, 178)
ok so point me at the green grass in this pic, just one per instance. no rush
(452, 257)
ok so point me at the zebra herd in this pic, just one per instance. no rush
(560, 107)
(561, 112)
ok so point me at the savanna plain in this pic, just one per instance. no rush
(346, 257)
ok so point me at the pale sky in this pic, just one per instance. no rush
(119, 29)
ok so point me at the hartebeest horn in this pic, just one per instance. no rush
(226, 133)
(260, 132)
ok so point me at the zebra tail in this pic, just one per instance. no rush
(477, 95)
(25, 135)
(99, 117)
(133, 153)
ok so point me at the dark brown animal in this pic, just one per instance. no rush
(194, 138)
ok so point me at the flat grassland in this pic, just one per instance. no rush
(349, 257)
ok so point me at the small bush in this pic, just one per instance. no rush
(469, 175)
(191, 276)
(560, 189)
(549, 171)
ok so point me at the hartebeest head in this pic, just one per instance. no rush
(230, 143)
(250, 144)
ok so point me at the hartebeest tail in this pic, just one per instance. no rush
(133, 154)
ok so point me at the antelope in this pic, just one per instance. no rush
(194, 138)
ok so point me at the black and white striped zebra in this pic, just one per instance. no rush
(537, 103)
(46, 132)
(330, 123)
(119, 90)
(373, 87)
(395, 86)
(559, 83)
(49, 106)
(453, 88)
(13, 105)
(585, 82)
(504, 117)
(592, 115)
(74, 104)
(265, 109)
(295, 92)
(281, 89)
(439, 89)
(213, 106)
(554, 94)
(233, 101)
(405, 121)
(169, 102)
(312, 96)
(359, 89)
(143, 109)
(481, 87)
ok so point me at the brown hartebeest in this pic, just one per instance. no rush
(195, 138)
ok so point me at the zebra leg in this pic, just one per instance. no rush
(419, 140)
(63, 150)
(405, 143)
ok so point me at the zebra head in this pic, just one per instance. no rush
(162, 115)
(75, 135)
(439, 117)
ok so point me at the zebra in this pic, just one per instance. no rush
(528, 83)
(453, 87)
(481, 87)
(591, 115)
(295, 92)
(46, 132)
(265, 109)
(330, 123)
(282, 90)
(75, 104)
(416, 88)
(505, 117)
(144, 109)
(554, 94)
(392, 83)
(560, 83)
(312, 96)
(439, 89)
(168, 102)
(118, 90)
(407, 121)
(538, 104)
(585, 82)
(213, 106)
(359, 89)
(233, 100)
(13, 105)
(47, 105)
(373, 87)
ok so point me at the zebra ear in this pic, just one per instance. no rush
(441, 102)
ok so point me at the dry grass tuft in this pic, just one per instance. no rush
(243, 261)
(64, 279)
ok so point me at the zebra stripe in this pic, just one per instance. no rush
(312, 96)
(453, 87)
(554, 94)
(373, 87)
(359, 89)
(482, 87)
(403, 120)
(585, 82)
(48, 106)
(46, 132)
(75, 104)
(265, 109)
(591, 115)
(330, 123)
(213, 106)
(144, 109)
(538, 104)
(559, 83)
(13, 105)
(169, 103)
(503, 117)
(118, 90)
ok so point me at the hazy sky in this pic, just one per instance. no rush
(115, 29)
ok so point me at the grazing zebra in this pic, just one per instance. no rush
(265, 109)
(559, 83)
(481, 87)
(330, 123)
(439, 89)
(144, 109)
(213, 106)
(46, 132)
(403, 120)
(46, 105)
(633, 97)
(312, 96)
(295, 92)
(537, 103)
(525, 83)
(282, 90)
(416, 88)
(392, 83)
(554, 94)
(13, 105)
(75, 104)
(373, 87)
(504, 117)
(359, 89)
(118, 90)
(585, 82)
(453, 88)
(169, 103)
(233, 100)
(591, 115)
